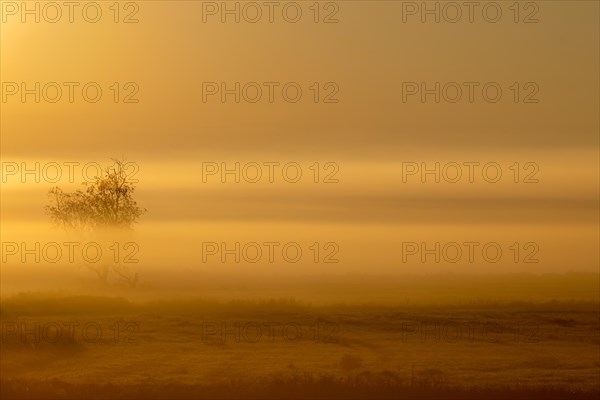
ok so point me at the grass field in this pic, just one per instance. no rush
(111, 347)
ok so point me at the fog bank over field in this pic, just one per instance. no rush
(230, 260)
(209, 229)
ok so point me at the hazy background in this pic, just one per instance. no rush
(368, 134)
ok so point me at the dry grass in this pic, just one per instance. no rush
(545, 351)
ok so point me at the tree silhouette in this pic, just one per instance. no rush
(106, 204)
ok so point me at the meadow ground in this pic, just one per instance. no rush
(111, 347)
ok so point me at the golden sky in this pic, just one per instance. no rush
(367, 59)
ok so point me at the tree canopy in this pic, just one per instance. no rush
(107, 202)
